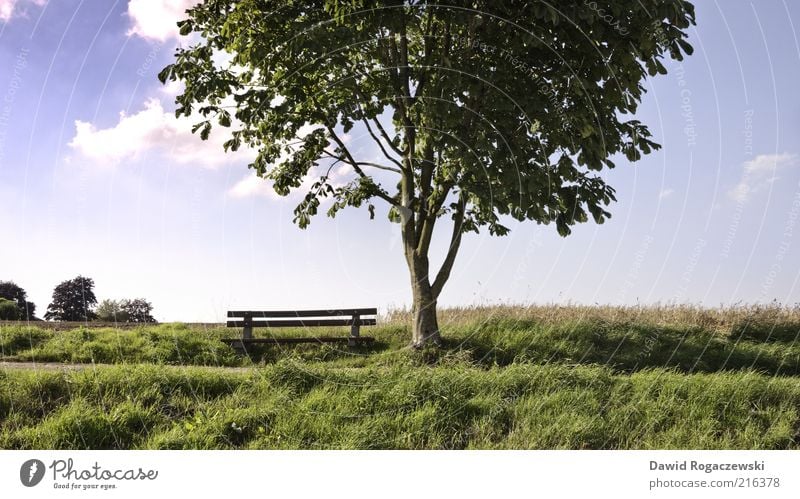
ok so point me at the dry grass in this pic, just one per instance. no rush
(724, 320)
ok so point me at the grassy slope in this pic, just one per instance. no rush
(509, 378)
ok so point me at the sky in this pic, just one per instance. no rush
(98, 178)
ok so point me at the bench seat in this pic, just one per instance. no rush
(279, 341)
(247, 320)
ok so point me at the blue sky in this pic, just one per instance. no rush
(98, 178)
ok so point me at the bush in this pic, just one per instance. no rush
(11, 291)
(137, 310)
(9, 311)
(17, 339)
(111, 311)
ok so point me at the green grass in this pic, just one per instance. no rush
(582, 378)
(162, 344)
(294, 405)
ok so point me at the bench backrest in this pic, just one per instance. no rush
(303, 318)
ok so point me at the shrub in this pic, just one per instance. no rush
(111, 311)
(9, 311)
(11, 291)
(137, 310)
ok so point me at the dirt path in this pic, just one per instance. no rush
(57, 366)
(47, 366)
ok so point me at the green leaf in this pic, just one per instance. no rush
(166, 74)
(687, 48)
(204, 133)
(184, 27)
(197, 126)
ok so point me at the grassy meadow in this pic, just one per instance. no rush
(508, 378)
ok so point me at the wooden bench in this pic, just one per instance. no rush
(353, 317)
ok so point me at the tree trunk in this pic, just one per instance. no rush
(424, 292)
(426, 327)
(416, 230)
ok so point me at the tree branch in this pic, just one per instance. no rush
(399, 58)
(379, 190)
(380, 167)
(429, 43)
(360, 72)
(405, 73)
(386, 136)
(455, 243)
(365, 163)
(424, 233)
(380, 144)
(425, 216)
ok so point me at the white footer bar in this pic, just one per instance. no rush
(380, 474)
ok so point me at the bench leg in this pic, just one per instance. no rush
(355, 331)
(239, 348)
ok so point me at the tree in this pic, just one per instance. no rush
(111, 311)
(73, 300)
(11, 291)
(480, 111)
(9, 311)
(138, 310)
(29, 311)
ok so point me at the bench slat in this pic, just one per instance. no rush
(304, 323)
(276, 341)
(277, 314)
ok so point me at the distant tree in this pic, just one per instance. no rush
(29, 311)
(73, 300)
(138, 310)
(9, 311)
(11, 291)
(111, 311)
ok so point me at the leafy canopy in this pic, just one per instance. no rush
(482, 109)
(13, 292)
(136, 310)
(73, 300)
(110, 311)
(9, 311)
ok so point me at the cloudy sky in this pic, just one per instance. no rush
(98, 178)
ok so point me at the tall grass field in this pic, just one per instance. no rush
(508, 377)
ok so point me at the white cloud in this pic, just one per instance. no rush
(153, 129)
(156, 19)
(9, 7)
(740, 193)
(665, 193)
(254, 186)
(759, 172)
(172, 88)
(6, 9)
(769, 162)
(250, 186)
